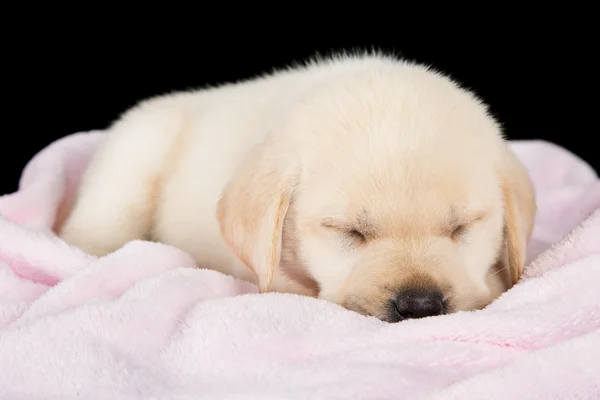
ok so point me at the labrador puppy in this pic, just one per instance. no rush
(372, 182)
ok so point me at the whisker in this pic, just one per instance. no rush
(497, 272)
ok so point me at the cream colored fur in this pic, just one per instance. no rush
(268, 179)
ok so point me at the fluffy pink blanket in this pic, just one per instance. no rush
(143, 323)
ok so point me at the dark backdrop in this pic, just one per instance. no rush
(538, 82)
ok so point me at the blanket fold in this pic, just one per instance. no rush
(145, 323)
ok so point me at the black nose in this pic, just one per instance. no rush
(420, 304)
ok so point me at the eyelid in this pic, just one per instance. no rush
(457, 228)
(458, 231)
(343, 227)
(335, 224)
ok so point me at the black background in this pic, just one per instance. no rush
(77, 74)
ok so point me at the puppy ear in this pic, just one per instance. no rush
(253, 207)
(519, 212)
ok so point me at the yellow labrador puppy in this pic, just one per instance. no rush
(375, 183)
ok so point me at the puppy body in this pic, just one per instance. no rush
(349, 179)
(165, 163)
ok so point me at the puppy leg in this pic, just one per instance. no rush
(117, 196)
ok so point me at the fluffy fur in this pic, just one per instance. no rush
(353, 179)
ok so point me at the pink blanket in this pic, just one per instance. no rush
(142, 323)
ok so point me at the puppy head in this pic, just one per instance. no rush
(392, 193)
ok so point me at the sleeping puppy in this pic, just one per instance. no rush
(371, 182)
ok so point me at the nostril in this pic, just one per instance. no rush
(419, 303)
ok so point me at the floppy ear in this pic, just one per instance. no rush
(253, 207)
(519, 212)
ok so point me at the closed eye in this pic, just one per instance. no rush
(347, 231)
(356, 234)
(458, 231)
(458, 227)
